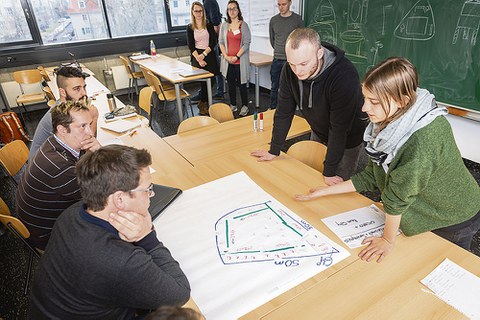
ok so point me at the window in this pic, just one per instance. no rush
(67, 21)
(187, 3)
(180, 14)
(13, 23)
(133, 17)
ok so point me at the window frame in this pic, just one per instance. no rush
(15, 54)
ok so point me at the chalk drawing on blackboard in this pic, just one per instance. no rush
(384, 12)
(324, 22)
(418, 23)
(353, 37)
(378, 46)
(468, 22)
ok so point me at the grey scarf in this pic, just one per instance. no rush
(384, 145)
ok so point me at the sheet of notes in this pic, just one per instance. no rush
(456, 286)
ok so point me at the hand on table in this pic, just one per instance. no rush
(263, 155)
(313, 193)
(131, 226)
(330, 181)
(377, 247)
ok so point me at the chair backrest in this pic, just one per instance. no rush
(221, 112)
(43, 73)
(310, 152)
(196, 122)
(13, 156)
(145, 99)
(27, 76)
(127, 65)
(146, 75)
(6, 218)
(50, 96)
(157, 85)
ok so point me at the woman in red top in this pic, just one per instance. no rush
(234, 42)
(201, 39)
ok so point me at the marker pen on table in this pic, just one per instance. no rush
(255, 126)
(261, 121)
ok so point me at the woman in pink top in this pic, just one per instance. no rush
(234, 43)
(201, 39)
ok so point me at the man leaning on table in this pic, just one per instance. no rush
(324, 84)
(71, 86)
(49, 185)
(104, 260)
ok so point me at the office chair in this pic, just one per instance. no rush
(12, 158)
(168, 95)
(133, 77)
(196, 122)
(21, 232)
(221, 112)
(312, 153)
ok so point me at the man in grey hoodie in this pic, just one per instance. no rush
(324, 84)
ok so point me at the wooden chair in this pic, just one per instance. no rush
(145, 102)
(168, 95)
(221, 112)
(165, 84)
(44, 73)
(196, 122)
(50, 96)
(310, 152)
(21, 232)
(12, 158)
(133, 77)
(25, 78)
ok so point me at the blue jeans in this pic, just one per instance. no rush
(461, 234)
(219, 77)
(275, 70)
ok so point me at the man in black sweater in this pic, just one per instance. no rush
(103, 260)
(324, 84)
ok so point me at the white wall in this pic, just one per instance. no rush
(467, 133)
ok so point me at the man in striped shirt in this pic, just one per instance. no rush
(49, 184)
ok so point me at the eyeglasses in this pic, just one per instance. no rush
(197, 11)
(232, 9)
(149, 190)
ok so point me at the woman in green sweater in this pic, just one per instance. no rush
(413, 161)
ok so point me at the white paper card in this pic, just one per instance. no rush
(456, 286)
(239, 247)
(354, 226)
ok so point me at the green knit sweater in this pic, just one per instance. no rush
(427, 181)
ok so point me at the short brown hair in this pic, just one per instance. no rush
(297, 36)
(109, 169)
(61, 113)
(393, 79)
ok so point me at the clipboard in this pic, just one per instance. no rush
(163, 197)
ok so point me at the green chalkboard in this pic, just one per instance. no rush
(441, 37)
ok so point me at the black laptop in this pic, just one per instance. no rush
(163, 197)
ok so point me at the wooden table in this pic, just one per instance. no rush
(258, 60)
(203, 144)
(169, 69)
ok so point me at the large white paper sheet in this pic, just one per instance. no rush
(354, 226)
(239, 247)
(456, 286)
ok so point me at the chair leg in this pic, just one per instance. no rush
(130, 86)
(29, 271)
(191, 107)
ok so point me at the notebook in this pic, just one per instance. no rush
(163, 197)
(121, 125)
(191, 73)
(139, 57)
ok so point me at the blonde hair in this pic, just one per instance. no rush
(192, 17)
(393, 79)
(297, 36)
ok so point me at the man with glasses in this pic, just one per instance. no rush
(71, 86)
(104, 260)
(49, 185)
(280, 27)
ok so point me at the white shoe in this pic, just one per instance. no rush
(234, 108)
(244, 111)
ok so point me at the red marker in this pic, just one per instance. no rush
(261, 121)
